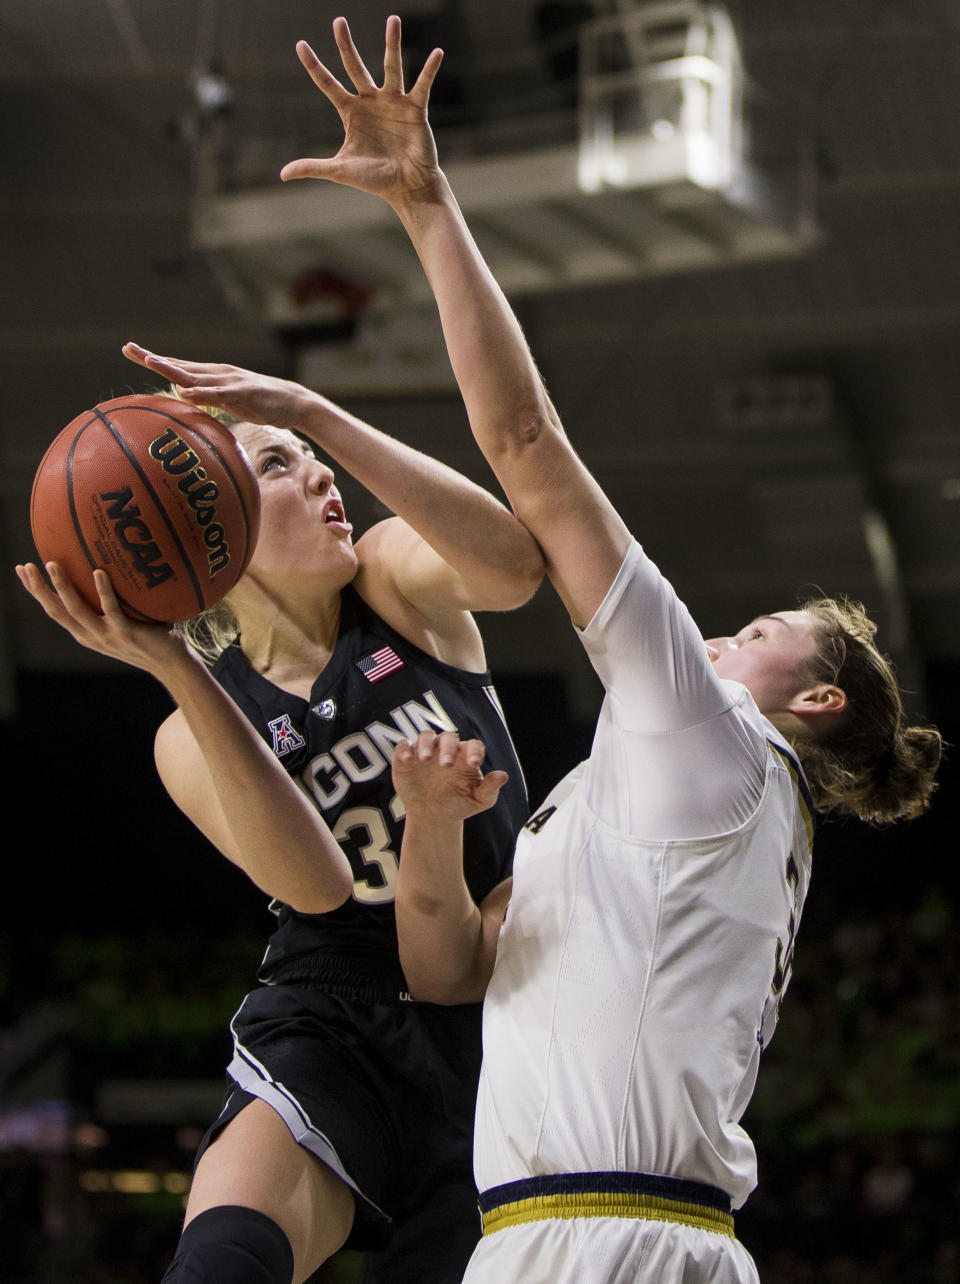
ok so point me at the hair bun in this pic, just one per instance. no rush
(905, 774)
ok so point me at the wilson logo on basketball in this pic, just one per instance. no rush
(177, 459)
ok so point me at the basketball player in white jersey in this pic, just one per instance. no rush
(650, 930)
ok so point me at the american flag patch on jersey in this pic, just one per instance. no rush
(379, 664)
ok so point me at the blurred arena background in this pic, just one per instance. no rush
(731, 236)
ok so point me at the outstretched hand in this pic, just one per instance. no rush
(252, 397)
(388, 148)
(151, 647)
(442, 776)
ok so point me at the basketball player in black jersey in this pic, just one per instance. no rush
(350, 1108)
(349, 1117)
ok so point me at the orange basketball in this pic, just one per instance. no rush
(157, 494)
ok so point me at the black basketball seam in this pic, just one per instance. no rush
(165, 414)
(39, 473)
(188, 567)
(138, 614)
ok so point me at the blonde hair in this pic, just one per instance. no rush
(871, 764)
(212, 631)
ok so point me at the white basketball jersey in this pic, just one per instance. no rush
(649, 937)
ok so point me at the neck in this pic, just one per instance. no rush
(288, 643)
(806, 729)
(788, 724)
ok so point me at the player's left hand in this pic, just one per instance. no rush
(388, 148)
(442, 775)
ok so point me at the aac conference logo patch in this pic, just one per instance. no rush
(286, 738)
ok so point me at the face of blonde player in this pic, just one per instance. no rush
(769, 657)
(304, 532)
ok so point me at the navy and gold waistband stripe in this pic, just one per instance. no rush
(611, 1194)
(803, 790)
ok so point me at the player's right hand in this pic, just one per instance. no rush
(151, 647)
(388, 148)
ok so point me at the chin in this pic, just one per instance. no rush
(350, 567)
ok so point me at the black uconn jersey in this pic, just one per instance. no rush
(377, 689)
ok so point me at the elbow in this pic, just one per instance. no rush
(526, 572)
(515, 568)
(446, 981)
(526, 427)
(429, 992)
(428, 981)
(444, 993)
(325, 896)
(530, 567)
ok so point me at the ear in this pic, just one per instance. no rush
(823, 698)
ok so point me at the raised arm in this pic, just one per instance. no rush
(583, 538)
(213, 764)
(470, 553)
(388, 151)
(448, 944)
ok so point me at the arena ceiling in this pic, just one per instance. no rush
(764, 424)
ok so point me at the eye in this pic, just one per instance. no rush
(271, 461)
(755, 633)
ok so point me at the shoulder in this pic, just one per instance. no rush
(448, 632)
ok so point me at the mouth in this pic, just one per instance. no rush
(333, 515)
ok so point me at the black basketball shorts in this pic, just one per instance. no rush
(384, 1093)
